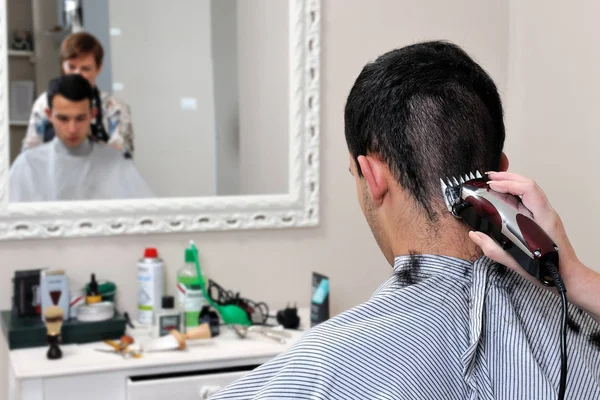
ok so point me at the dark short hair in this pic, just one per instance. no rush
(428, 111)
(81, 43)
(73, 87)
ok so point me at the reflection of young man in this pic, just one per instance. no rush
(71, 166)
(81, 53)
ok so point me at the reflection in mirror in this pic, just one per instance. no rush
(185, 99)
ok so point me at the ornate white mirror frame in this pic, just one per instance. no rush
(298, 208)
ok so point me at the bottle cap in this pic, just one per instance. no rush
(189, 256)
(150, 252)
(168, 302)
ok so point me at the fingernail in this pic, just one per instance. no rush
(476, 238)
(490, 172)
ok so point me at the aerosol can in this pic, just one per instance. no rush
(150, 286)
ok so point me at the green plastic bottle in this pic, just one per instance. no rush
(191, 299)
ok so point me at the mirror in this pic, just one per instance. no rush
(194, 94)
(136, 116)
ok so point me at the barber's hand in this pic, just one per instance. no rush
(579, 280)
(535, 200)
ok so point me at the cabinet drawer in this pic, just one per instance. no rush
(198, 385)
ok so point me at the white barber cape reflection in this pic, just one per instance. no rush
(92, 171)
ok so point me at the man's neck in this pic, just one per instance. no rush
(84, 149)
(448, 237)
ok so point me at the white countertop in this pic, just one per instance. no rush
(32, 363)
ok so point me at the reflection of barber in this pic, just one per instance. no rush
(72, 166)
(81, 53)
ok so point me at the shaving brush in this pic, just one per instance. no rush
(54, 319)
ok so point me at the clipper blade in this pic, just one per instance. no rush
(451, 188)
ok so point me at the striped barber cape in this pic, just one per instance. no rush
(441, 328)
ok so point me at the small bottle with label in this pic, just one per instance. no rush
(168, 317)
(93, 294)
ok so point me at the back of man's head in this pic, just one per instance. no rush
(428, 111)
(73, 87)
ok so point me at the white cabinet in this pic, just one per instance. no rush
(84, 373)
(96, 386)
(192, 387)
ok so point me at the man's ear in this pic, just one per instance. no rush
(503, 163)
(48, 112)
(94, 112)
(374, 172)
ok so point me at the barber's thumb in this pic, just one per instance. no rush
(491, 249)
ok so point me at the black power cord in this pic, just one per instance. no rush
(562, 291)
(258, 312)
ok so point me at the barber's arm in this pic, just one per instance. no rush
(37, 124)
(583, 283)
(120, 127)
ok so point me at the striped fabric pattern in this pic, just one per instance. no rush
(443, 328)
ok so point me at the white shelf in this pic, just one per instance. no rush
(19, 123)
(31, 363)
(20, 53)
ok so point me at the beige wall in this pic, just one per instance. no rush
(247, 91)
(227, 122)
(263, 95)
(552, 118)
(162, 55)
(276, 265)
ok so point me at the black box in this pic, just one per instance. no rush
(25, 300)
(319, 304)
(24, 332)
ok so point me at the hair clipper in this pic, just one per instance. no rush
(503, 217)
